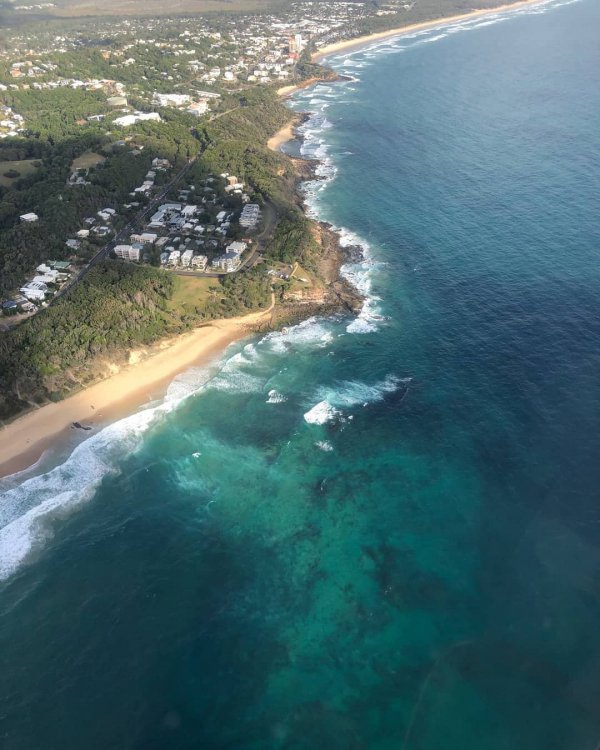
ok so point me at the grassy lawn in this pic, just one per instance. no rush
(191, 291)
(86, 160)
(24, 168)
(302, 279)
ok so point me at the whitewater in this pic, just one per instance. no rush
(374, 530)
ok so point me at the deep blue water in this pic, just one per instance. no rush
(379, 533)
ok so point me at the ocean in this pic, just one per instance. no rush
(379, 531)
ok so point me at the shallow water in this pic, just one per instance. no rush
(372, 533)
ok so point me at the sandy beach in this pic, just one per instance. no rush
(281, 136)
(23, 441)
(292, 87)
(350, 44)
(362, 41)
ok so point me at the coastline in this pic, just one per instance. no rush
(23, 441)
(147, 377)
(361, 41)
(286, 133)
(367, 39)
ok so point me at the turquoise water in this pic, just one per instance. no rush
(375, 533)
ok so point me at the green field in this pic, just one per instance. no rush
(191, 291)
(86, 160)
(24, 168)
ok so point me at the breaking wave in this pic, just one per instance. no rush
(29, 512)
(322, 413)
(337, 400)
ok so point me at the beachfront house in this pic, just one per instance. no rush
(161, 164)
(128, 252)
(171, 100)
(229, 262)
(236, 247)
(128, 120)
(62, 266)
(10, 306)
(174, 258)
(199, 262)
(186, 257)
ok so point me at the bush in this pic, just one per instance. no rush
(12, 174)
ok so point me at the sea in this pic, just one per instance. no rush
(376, 531)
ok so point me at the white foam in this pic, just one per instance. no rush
(359, 58)
(275, 397)
(233, 375)
(358, 274)
(349, 393)
(236, 382)
(321, 413)
(324, 445)
(309, 334)
(187, 383)
(29, 511)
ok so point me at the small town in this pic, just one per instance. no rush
(192, 238)
(141, 89)
(299, 395)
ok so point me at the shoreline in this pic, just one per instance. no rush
(24, 441)
(285, 134)
(367, 39)
(361, 41)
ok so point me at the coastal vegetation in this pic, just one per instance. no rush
(120, 306)
(233, 142)
(116, 308)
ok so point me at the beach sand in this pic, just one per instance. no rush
(23, 441)
(350, 44)
(281, 136)
(291, 88)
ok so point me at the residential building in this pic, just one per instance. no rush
(127, 252)
(35, 290)
(174, 257)
(186, 257)
(250, 216)
(229, 262)
(128, 120)
(171, 100)
(236, 247)
(198, 108)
